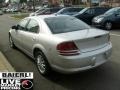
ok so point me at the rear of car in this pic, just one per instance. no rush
(62, 42)
(78, 47)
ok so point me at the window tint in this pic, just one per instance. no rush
(100, 10)
(40, 10)
(65, 24)
(47, 11)
(90, 11)
(118, 12)
(65, 10)
(78, 9)
(75, 9)
(22, 24)
(83, 10)
(111, 11)
(69, 10)
(33, 26)
(54, 10)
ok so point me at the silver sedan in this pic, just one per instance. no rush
(61, 43)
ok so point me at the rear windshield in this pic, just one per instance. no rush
(54, 10)
(74, 9)
(111, 11)
(62, 24)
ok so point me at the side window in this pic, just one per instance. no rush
(33, 26)
(99, 11)
(90, 11)
(118, 12)
(64, 11)
(22, 24)
(54, 10)
(47, 11)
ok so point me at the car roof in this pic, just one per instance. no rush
(73, 7)
(98, 7)
(47, 16)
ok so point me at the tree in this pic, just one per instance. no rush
(23, 1)
(1, 1)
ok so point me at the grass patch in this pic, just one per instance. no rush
(20, 15)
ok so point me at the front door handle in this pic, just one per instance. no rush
(33, 38)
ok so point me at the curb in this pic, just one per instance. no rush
(5, 66)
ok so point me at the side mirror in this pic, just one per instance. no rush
(85, 13)
(15, 27)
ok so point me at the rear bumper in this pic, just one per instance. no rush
(83, 61)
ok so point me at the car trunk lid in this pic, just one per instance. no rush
(87, 40)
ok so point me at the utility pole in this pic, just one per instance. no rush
(90, 2)
(34, 5)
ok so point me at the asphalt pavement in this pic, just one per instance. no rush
(105, 77)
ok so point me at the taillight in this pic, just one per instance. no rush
(67, 49)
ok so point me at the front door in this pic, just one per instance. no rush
(17, 33)
(29, 37)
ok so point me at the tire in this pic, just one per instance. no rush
(108, 25)
(11, 43)
(42, 63)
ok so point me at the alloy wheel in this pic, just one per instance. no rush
(108, 25)
(41, 64)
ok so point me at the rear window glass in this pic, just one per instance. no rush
(111, 11)
(54, 10)
(74, 9)
(64, 24)
(101, 10)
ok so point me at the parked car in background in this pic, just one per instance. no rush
(108, 20)
(45, 11)
(12, 10)
(38, 7)
(61, 42)
(1, 12)
(36, 12)
(69, 10)
(87, 14)
(4, 9)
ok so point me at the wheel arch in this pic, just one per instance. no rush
(38, 47)
(110, 22)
